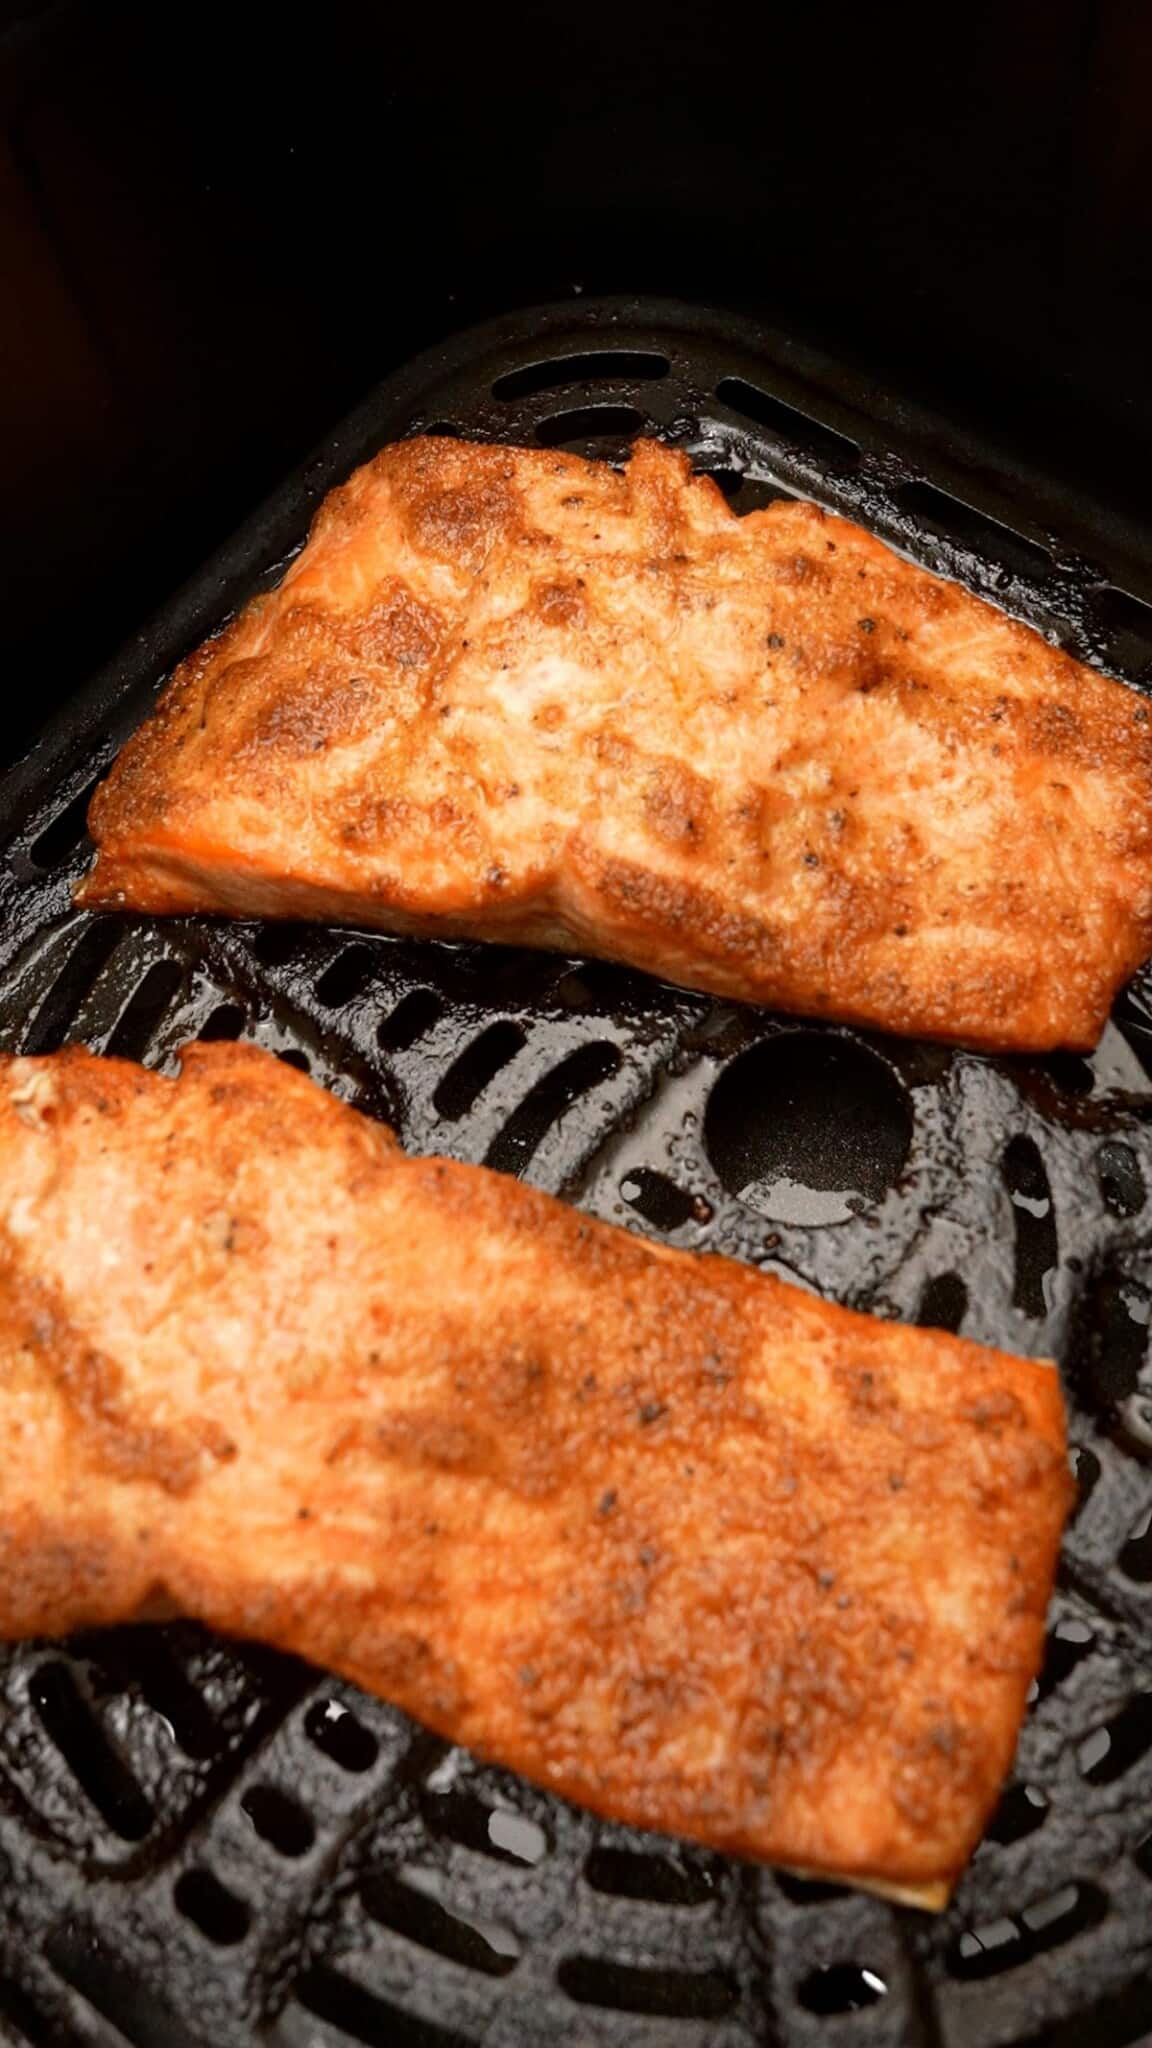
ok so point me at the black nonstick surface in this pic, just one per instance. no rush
(206, 1843)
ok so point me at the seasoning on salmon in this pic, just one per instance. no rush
(523, 697)
(509, 694)
(665, 1535)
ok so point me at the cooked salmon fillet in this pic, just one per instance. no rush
(509, 694)
(669, 1537)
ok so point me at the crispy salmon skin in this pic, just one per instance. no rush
(665, 1535)
(509, 694)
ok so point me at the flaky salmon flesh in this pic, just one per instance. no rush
(667, 1536)
(508, 694)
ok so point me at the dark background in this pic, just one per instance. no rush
(218, 227)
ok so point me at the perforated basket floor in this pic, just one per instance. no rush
(202, 1843)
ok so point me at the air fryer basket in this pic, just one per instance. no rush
(205, 1843)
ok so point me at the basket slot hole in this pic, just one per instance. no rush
(492, 1830)
(667, 1994)
(841, 1987)
(1110, 1751)
(226, 1024)
(1065, 1647)
(746, 493)
(601, 985)
(67, 831)
(1121, 1181)
(1022, 1810)
(657, 1198)
(545, 1103)
(97, 1767)
(292, 1056)
(1006, 1943)
(279, 1820)
(1068, 1071)
(335, 1731)
(1129, 626)
(61, 1005)
(954, 520)
(1111, 1362)
(601, 364)
(943, 1304)
(145, 1010)
(364, 2016)
(276, 943)
(346, 978)
(468, 1076)
(1135, 1559)
(221, 1917)
(1036, 1245)
(808, 1891)
(141, 1657)
(638, 1874)
(758, 493)
(729, 482)
(414, 1014)
(796, 429)
(410, 1910)
(616, 425)
(808, 1128)
(442, 430)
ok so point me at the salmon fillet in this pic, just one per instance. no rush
(509, 694)
(663, 1534)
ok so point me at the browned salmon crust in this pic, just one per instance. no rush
(665, 1535)
(513, 695)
